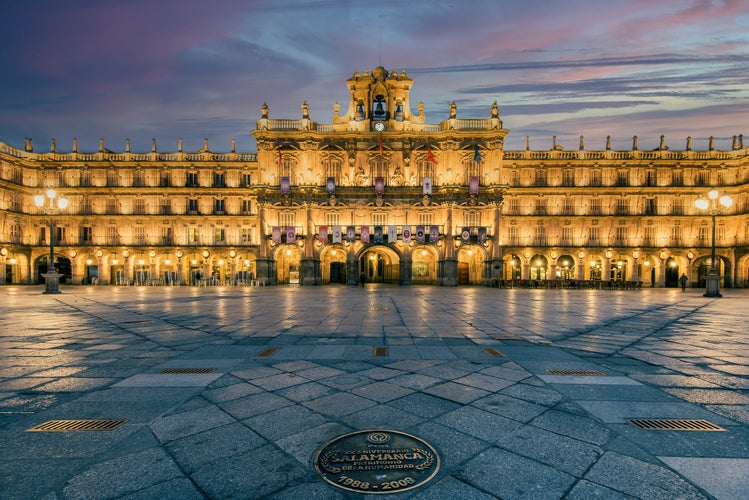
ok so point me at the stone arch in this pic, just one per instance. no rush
(424, 264)
(471, 260)
(288, 260)
(333, 262)
(380, 263)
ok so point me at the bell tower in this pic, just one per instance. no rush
(379, 97)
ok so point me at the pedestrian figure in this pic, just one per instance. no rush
(683, 280)
(362, 279)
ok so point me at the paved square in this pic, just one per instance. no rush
(504, 426)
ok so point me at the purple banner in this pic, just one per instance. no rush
(434, 234)
(473, 186)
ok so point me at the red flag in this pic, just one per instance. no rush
(430, 156)
(280, 158)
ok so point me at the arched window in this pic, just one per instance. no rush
(471, 168)
(425, 168)
(287, 167)
(332, 165)
(378, 167)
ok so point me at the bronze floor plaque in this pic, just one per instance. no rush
(377, 461)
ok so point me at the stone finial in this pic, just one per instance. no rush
(689, 143)
(608, 143)
(305, 110)
(336, 110)
(453, 110)
(711, 144)
(741, 141)
(495, 110)
(527, 143)
(634, 143)
(553, 142)
(179, 145)
(233, 145)
(153, 145)
(127, 145)
(53, 146)
(264, 111)
(28, 145)
(75, 145)
(662, 146)
(101, 144)
(734, 143)
(582, 143)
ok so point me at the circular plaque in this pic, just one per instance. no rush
(377, 461)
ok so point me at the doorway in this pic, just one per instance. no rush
(338, 272)
(463, 273)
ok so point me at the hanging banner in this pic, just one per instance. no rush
(379, 185)
(392, 234)
(473, 186)
(482, 235)
(364, 234)
(427, 186)
(420, 234)
(406, 234)
(337, 238)
(330, 185)
(290, 234)
(285, 185)
(350, 234)
(323, 234)
(378, 234)
(275, 234)
(434, 234)
(465, 234)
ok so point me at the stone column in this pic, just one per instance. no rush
(406, 267)
(311, 274)
(493, 269)
(352, 266)
(265, 266)
(448, 268)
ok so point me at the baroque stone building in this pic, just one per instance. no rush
(377, 192)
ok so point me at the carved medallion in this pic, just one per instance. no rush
(377, 461)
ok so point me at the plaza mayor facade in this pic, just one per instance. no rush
(377, 192)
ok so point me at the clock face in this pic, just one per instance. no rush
(379, 126)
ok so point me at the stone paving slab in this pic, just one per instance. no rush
(504, 426)
(724, 478)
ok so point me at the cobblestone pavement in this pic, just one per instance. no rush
(293, 368)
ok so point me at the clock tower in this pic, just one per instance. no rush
(379, 101)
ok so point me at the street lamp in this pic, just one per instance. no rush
(49, 204)
(713, 205)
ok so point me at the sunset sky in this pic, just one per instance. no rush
(196, 69)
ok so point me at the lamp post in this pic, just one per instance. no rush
(713, 204)
(49, 204)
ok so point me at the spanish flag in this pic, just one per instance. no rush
(430, 156)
